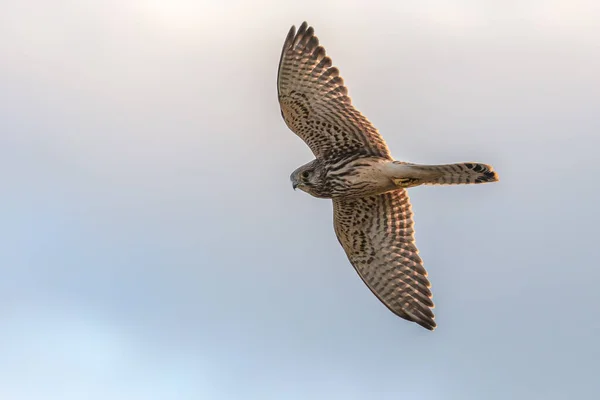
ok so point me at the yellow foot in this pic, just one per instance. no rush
(406, 182)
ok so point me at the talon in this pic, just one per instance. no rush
(405, 182)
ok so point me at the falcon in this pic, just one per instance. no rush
(372, 213)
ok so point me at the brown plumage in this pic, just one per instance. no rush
(377, 234)
(315, 103)
(353, 167)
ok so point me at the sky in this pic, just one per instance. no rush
(151, 245)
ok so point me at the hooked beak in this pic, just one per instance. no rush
(294, 185)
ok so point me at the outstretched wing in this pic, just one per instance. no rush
(377, 234)
(315, 104)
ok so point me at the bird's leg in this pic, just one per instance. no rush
(406, 182)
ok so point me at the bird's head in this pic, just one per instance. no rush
(309, 178)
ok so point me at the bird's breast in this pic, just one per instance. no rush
(357, 178)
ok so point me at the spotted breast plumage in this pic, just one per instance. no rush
(372, 213)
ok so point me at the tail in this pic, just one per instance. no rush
(407, 175)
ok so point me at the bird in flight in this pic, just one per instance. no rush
(353, 167)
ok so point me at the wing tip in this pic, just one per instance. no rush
(287, 44)
(422, 316)
(305, 35)
(430, 329)
(289, 39)
(303, 27)
(424, 321)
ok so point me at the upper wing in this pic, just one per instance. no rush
(315, 104)
(377, 234)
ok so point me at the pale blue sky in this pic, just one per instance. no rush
(152, 247)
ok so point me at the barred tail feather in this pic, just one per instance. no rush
(464, 173)
(407, 175)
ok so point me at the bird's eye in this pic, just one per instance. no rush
(305, 174)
